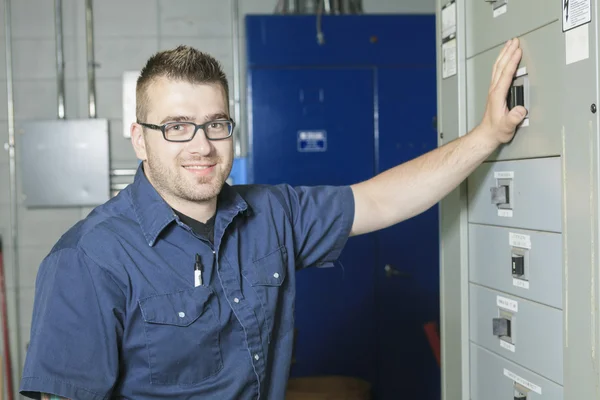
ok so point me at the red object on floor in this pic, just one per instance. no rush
(5, 335)
(433, 336)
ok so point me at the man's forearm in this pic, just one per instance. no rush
(411, 188)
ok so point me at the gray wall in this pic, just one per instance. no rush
(127, 32)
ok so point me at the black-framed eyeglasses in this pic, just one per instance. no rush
(186, 131)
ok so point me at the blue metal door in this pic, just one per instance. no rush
(314, 126)
(408, 267)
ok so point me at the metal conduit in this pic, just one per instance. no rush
(60, 60)
(235, 12)
(13, 182)
(91, 63)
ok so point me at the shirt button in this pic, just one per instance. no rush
(236, 300)
(276, 275)
(181, 314)
(256, 357)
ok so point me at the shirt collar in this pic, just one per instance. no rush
(154, 214)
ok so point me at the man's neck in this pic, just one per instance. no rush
(200, 211)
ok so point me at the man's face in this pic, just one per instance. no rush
(190, 171)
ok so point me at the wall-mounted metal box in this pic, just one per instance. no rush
(64, 163)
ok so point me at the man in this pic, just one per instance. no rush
(182, 286)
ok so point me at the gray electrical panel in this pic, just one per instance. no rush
(520, 238)
(64, 163)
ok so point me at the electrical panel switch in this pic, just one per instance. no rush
(518, 264)
(500, 195)
(501, 327)
(520, 396)
(516, 97)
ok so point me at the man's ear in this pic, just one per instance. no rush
(138, 141)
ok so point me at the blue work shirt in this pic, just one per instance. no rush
(117, 314)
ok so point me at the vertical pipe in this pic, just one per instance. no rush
(336, 7)
(60, 61)
(297, 7)
(235, 16)
(13, 177)
(91, 63)
(357, 7)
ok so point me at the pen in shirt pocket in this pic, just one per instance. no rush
(197, 272)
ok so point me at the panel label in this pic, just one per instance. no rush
(312, 141)
(448, 20)
(576, 13)
(500, 10)
(577, 44)
(519, 240)
(505, 213)
(504, 174)
(521, 283)
(522, 382)
(449, 59)
(507, 346)
(507, 304)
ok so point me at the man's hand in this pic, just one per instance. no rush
(413, 187)
(498, 121)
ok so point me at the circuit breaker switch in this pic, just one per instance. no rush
(501, 327)
(518, 265)
(500, 195)
(515, 97)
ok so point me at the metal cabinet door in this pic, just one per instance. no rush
(313, 126)
(407, 270)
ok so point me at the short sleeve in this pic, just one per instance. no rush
(76, 329)
(322, 218)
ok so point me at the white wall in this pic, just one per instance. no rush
(127, 32)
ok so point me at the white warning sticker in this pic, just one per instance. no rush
(505, 213)
(449, 20)
(507, 304)
(576, 13)
(577, 44)
(449, 59)
(522, 382)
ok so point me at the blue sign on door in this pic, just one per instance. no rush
(312, 141)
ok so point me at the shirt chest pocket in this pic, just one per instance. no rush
(182, 336)
(268, 277)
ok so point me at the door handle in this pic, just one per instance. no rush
(391, 271)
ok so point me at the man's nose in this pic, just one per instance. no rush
(200, 144)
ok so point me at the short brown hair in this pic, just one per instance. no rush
(182, 63)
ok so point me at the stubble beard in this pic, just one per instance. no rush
(174, 183)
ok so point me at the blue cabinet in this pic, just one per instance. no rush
(338, 113)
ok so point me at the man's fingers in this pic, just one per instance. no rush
(508, 72)
(505, 60)
(495, 69)
(516, 116)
